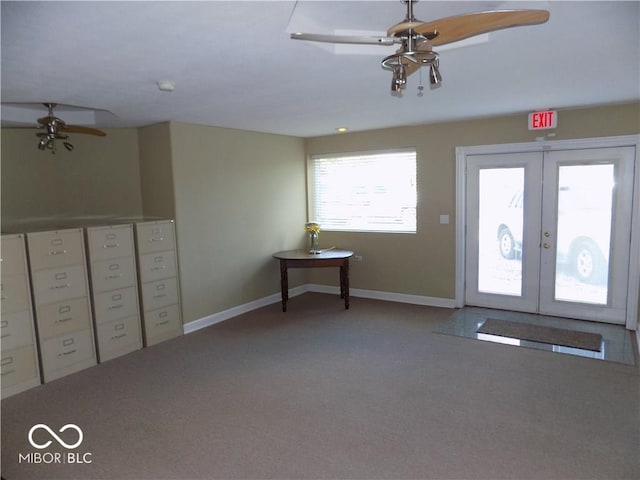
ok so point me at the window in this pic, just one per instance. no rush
(370, 191)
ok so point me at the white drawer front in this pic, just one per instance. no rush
(155, 237)
(61, 352)
(60, 283)
(17, 330)
(159, 293)
(55, 249)
(162, 324)
(119, 336)
(113, 274)
(111, 242)
(18, 366)
(116, 304)
(63, 317)
(155, 266)
(14, 293)
(13, 254)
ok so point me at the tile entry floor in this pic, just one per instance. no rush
(618, 344)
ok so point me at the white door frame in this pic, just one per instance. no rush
(633, 292)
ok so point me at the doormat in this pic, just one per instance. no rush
(542, 334)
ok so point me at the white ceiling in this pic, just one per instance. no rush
(234, 65)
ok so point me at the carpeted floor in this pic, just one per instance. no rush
(322, 392)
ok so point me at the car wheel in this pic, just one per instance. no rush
(588, 263)
(507, 244)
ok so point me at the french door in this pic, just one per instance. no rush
(549, 231)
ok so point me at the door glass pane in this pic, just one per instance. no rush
(584, 232)
(500, 221)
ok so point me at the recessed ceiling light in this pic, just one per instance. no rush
(341, 129)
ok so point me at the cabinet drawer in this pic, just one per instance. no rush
(121, 303)
(155, 236)
(15, 293)
(162, 324)
(159, 293)
(63, 317)
(110, 242)
(65, 350)
(59, 283)
(55, 249)
(118, 337)
(17, 330)
(18, 366)
(155, 266)
(13, 255)
(113, 274)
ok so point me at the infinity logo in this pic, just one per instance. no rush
(53, 434)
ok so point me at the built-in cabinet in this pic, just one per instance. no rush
(114, 289)
(58, 270)
(20, 370)
(159, 286)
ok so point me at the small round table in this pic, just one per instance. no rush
(334, 257)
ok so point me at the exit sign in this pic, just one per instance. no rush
(543, 120)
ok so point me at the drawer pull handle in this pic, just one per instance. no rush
(7, 361)
(113, 307)
(3, 297)
(161, 295)
(58, 252)
(111, 245)
(8, 372)
(159, 239)
(62, 320)
(164, 322)
(70, 352)
(115, 337)
(4, 323)
(160, 267)
(5, 335)
(111, 277)
(58, 287)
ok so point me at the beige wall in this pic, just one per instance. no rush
(156, 182)
(239, 197)
(100, 177)
(424, 263)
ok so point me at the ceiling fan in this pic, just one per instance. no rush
(417, 39)
(56, 129)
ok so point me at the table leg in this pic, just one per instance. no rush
(284, 284)
(344, 283)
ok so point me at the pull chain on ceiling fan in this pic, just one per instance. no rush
(55, 129)
(417, 39)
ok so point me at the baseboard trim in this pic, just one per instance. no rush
(209, 320)
(386, 296)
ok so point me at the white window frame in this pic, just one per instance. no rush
(405, 225)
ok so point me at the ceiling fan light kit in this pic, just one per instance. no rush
(417, 39)
(55, 129)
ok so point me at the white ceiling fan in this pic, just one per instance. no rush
(417, 39)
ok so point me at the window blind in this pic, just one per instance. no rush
(372, 191)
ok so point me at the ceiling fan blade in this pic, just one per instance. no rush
(404, 26)
(81, 129)
(453, 29)
(315, 37)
